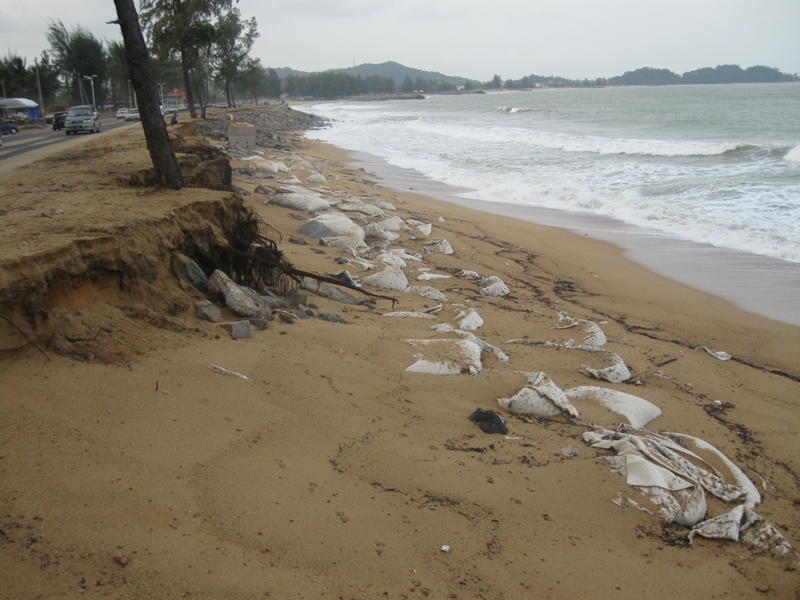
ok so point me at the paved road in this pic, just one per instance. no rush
(28, 140)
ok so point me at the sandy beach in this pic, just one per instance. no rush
(131, 469)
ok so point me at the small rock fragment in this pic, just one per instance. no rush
(205, 309)
(238, 330)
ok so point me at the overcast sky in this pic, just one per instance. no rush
(477, 38)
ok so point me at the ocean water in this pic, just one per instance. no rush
(716, 165)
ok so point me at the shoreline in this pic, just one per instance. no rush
(767, 287)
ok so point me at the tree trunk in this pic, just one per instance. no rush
(187, 83)
(168, 172)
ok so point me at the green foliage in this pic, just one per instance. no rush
(232, 43)
(256, 82)
(333, 84)
(76, 54)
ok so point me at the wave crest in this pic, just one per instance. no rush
(793, 155)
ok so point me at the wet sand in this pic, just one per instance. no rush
(763, 285)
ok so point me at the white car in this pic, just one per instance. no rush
(132, 114)
(121, 113)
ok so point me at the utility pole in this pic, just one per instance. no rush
(91, 79)
(39, 85)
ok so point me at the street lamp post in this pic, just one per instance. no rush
(91, 79)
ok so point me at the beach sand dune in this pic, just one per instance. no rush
(131, 469)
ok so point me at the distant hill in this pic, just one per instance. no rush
(391, 69)
(718, 74)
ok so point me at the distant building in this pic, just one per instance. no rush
(174, 98)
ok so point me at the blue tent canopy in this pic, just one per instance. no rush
(20, 105)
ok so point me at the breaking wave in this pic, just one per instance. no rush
(793, 155)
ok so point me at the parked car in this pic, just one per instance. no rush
(132, 114)
(58, 120)
(82, 118)
(8, 127)
(120, 114)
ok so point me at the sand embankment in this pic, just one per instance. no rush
(334, 473)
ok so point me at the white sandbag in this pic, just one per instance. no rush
(373, 231)
(442, 327)
(594, 334)
(638, 411)
(752, 495)
(438, 246)
(744, 524)
(392, 259)
(316, 179)
(362, 207)
(425, 229)
(332, 224)
(269, 167)
(540, 397)
(446, 357)
(300, 200)
(393, 223)
(430, 276)
(469, 320)
(465, 274)
(242, 300)
(718, 354)
(390, 278)
(617, 372)
(427, 291)
(493, 286)
(408, 314)
(484, 345)
(385, 205)
(404, 255)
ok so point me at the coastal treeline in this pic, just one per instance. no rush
(200, 47)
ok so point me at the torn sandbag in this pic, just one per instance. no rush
(484, 345)
(594, 334)
(408, 314)
(393, 223)
(700, 446)
(373, 231)
(363, 208)
(489, 421)
(540, 397)
(427, 291)
(493, 286)
(446, 357)
(718, 354)
(430, 276)
(392, 259)
(638, 411)
(391, 278)
(438, 246)
(442, 327)
(469, 320)
(616, 372)
(745, 525)
(466, 274)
